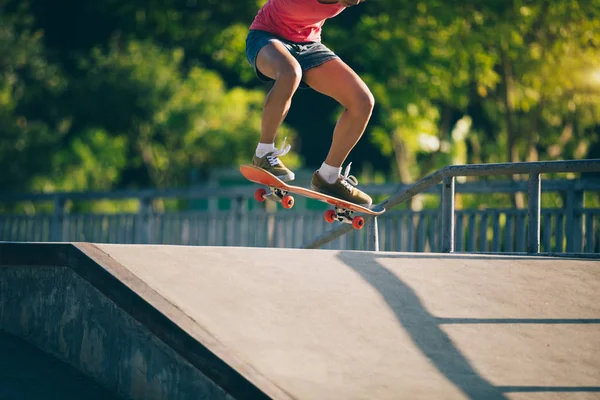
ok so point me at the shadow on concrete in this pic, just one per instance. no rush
(549, 389)
(423, 328)
(426, 333)
(542, 321)
(471, 256)
(28, 373)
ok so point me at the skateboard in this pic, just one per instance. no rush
(279, 191)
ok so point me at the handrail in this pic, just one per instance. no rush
(190, 193)
(447, 175)
(206, 191)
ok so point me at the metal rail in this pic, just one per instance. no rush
(247, 191)
(448, 174)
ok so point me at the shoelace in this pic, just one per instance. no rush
(283, 150)
(348, 180)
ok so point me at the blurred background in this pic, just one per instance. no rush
(127, 95)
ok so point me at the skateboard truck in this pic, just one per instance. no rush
(276, 194)
(345, 216)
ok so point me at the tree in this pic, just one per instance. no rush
(125, 112)
(514, 69)
(26, 77)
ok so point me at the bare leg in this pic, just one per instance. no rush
(337, 80)
(277, 63)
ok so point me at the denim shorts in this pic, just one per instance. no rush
(308, 55)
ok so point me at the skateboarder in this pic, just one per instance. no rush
(284, 45)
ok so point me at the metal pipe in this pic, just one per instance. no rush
(144, 229)
(373, 235)
(534, 211)
(448, 215)
(56, 224)
(521, 168)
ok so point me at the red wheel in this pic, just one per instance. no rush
(287, 201)
(260, 194)
(358, 222)
(330, 216)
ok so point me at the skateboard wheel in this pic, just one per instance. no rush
(330, 216)
(287, 201)
(260, 194)
(358, 222)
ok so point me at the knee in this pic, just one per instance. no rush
(290, 75)
(363, 104)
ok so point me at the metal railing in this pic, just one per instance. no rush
(447, 176)
(228, 216)
(477, 230)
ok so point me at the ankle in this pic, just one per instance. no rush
(329, 174)
(264, 148)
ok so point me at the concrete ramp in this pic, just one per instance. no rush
(206, 322)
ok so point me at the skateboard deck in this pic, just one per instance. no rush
(279, 192)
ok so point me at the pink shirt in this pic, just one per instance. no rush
(295, 20)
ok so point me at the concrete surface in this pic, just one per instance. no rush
(64, 303)
(332, 325)
(317, 324)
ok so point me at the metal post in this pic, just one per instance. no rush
(56, 227)
(241, 205)
(143, 229)
(534, 212)
(570, 217)
(574, 220)
(578, 231)
(373, 235)
(448, 214)
(241, 208)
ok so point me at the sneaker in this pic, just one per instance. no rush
(343, 188)
(271, 162)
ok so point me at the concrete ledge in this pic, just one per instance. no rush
(65, 303)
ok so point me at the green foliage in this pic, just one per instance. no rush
(148, 93)
(521, 72)
(134, 109)
(25, 76)
(91, 160)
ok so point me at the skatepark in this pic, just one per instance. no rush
(299, 199)
(161, 322)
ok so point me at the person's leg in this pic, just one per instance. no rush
(337, 80)
(276, 62)
(273, 61)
